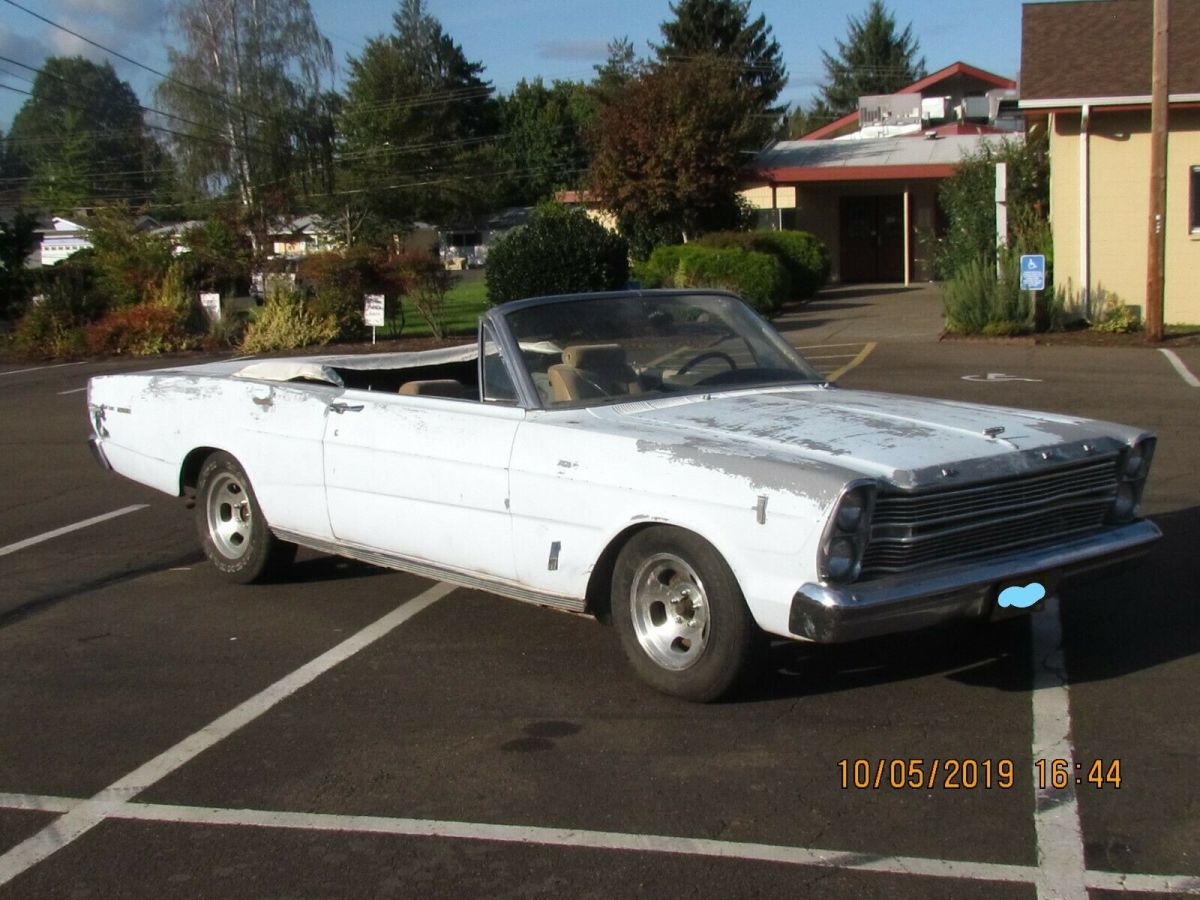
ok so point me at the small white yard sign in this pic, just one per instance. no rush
(211, 304)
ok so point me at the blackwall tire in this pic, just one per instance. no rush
(233, 531)
(682, 620)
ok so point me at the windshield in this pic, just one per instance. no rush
(612, 348)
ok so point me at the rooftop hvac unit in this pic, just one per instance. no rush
(975, 109)
(934, 109)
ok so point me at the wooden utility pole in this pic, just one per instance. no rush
(1157, 251)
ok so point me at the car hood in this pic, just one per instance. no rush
(908, 440)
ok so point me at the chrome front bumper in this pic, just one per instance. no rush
(832, 614)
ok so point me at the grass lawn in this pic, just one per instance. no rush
(465, 303)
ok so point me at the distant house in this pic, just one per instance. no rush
(297, 237)
(465, 245)
(63, 237)
(1086, 76)
(175, 233)
(591, 205)
(867, 183)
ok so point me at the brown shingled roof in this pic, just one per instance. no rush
(1101, 48)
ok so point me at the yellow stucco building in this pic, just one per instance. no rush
(1085, 76)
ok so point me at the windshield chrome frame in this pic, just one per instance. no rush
(497, 319)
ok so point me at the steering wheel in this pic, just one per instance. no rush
(711, 354)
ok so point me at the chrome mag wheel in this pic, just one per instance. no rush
(670, 611)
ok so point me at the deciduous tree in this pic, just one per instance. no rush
(542, 148)
(247, 75)
(670, 147)
(17, 240)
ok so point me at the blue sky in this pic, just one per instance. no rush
(516, 39)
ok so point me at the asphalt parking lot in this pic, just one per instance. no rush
(352, 732)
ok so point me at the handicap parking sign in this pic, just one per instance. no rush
(1033, 272)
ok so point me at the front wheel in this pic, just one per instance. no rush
(681, 616)
(233, 531)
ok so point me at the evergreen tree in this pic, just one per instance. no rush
(874, 59)
(618, 69)
(80, 139)
(722, 28)
(415, 122)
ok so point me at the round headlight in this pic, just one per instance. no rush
(850, 513)
(1135, 462)
(839, 561)
(1126, 503)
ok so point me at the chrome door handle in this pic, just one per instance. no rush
(339, 407)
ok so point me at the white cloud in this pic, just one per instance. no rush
(123, 16)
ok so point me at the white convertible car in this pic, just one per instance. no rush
(662, 458)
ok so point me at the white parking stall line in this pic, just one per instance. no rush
(1178, 365)
(39, 368)
(67, 529)
(1062, 874)
(35, 803)
(73, 391)
(111, 801)
(967, 870)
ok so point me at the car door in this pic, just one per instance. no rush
(276, 431)
(422, 477)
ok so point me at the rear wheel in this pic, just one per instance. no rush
(681, 616)
(233, 531)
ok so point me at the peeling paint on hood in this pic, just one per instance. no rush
(873, 433)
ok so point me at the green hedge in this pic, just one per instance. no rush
(659, 270)
(758, 278)
(805, 258)
(560, 251)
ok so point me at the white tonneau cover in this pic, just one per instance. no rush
(324, 368)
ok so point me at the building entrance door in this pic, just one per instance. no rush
(872, 238)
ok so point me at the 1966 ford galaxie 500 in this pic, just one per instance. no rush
(665, 459)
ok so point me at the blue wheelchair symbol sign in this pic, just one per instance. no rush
(1033, 272)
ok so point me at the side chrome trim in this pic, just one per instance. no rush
(430, 570)
(831, 614)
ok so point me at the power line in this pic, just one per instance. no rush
(130, 60)
(143, 108)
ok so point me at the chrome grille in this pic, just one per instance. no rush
(916, 529)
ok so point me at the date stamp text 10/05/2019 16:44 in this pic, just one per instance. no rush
(915, 773)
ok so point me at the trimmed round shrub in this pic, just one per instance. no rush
(758, 278)
(560, 251)
(805, 257)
